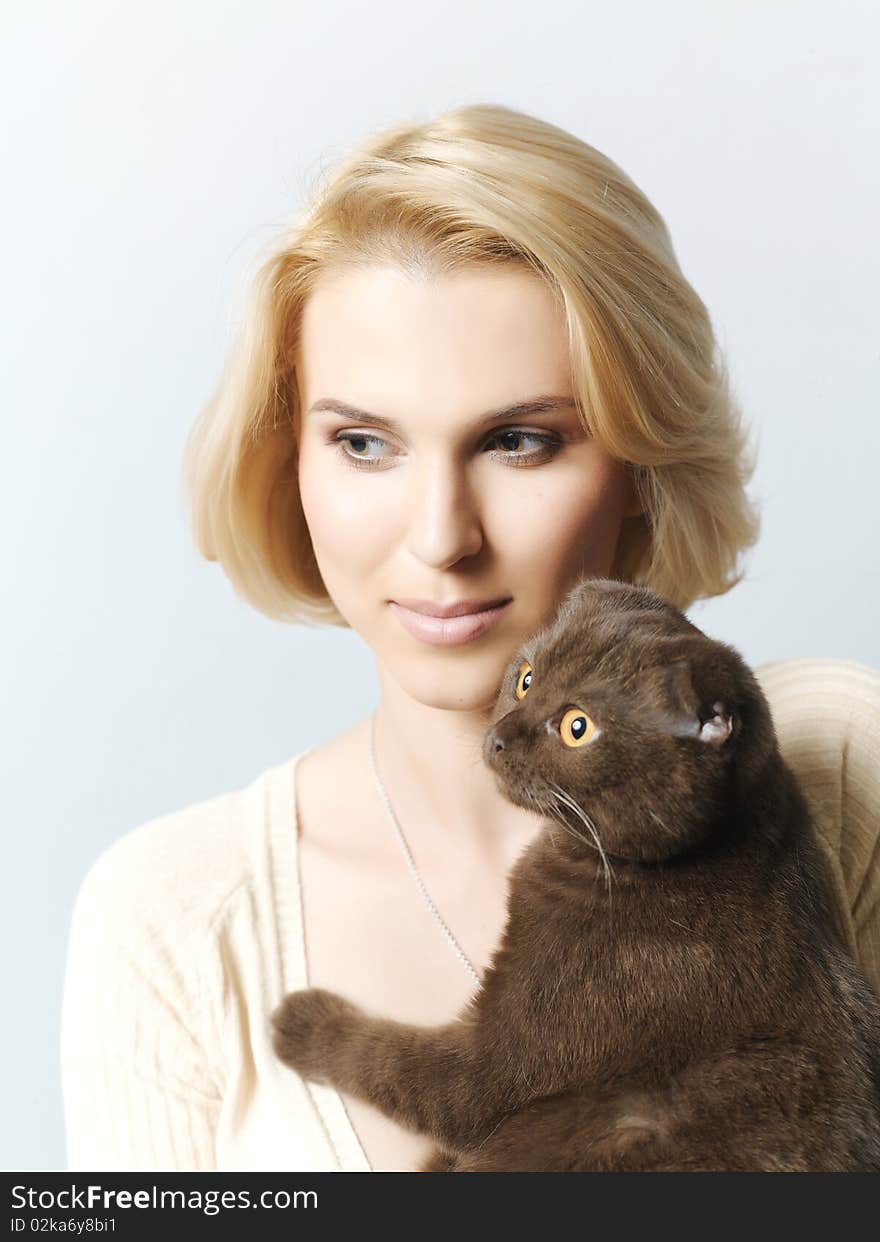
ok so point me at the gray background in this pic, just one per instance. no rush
(148, 151)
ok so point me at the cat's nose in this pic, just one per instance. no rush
(505, 730)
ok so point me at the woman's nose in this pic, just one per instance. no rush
(444, 522)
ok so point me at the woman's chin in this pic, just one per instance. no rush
(479, 693)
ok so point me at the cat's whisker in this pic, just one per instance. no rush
(525, 1078)
(563, 796)
(567, 800)
(578, 836)
(498, 1123)
(543, 811)
(664, 826)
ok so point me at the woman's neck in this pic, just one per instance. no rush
(443, 794)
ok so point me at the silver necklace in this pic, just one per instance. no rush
(383, 794)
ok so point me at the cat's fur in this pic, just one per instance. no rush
(670, 991)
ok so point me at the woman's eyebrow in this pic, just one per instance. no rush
(520, 409)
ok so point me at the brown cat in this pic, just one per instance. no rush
(670, 992)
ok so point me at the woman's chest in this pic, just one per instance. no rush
(370, 936)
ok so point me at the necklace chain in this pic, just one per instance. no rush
(420, 884)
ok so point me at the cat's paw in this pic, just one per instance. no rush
(308, 1029)
(439, 1161)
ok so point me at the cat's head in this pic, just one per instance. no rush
(623, 710)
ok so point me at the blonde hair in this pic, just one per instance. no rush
(480, 185)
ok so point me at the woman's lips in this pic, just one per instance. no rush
(448, 630)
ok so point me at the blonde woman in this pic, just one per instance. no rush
(470, 372)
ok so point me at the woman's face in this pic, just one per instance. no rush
(444, 506)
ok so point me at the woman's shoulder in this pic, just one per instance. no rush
(180, 868)
(147, 977)
(790, 683)
(826, 712)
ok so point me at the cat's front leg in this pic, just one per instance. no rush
(312, 1030)
(427, 1078)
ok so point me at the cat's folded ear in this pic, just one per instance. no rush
(707, 720)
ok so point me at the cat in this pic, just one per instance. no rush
(671, 991)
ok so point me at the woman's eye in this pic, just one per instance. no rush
(549, 446)
(358, 459)
(352, 447)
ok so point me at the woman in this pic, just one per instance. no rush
(472, 372)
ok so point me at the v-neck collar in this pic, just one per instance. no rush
(284, 828)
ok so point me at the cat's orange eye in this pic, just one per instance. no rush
(523, 680)
(576, 728)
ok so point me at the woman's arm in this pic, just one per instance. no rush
(139, 1093)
